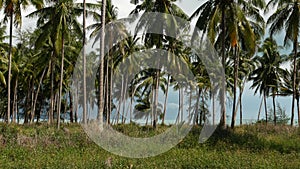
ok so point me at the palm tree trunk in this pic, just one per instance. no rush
(84, 63)
(156, 97)
(15, 106)
(241, 105)
(223, 107)
(36, 95)
(298, 108)
(71, 107)
(236, 60)
(165, 102)
(197, 106)
(259, 110)
(266, 111)
(76, 103)
(9, 66)
(213, 107)
(274, 109)
(294, 79)
(61, 79)
(101, 74)
(50, 115)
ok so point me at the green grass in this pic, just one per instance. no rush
(256, 146)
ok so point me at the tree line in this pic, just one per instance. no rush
(36, 65)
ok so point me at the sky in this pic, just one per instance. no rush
(251, 102)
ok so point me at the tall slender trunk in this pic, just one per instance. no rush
(190, 101)
(101, 74)
(32, 100)
(50, 115)
(76, 103)
(241, 104)
(165, 102)
(179, 106)
(274, 108)
(9, 66)
(110, 90)
(213, 107)
(259, 110)
(15, 104)
(124, 116)
(223, 90)
(71, 107)
(197, 106)
(235, 79)
(203, 110)
(294, 79)
(156, 96)
(106, 88)
(84, 63)
(298, 108)
(36, 95)
(120, 100)
(266, 111)
(182, 101)
(61, 79)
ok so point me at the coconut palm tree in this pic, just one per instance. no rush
(157, 40)
(227, 21)
(57, 21)
(286, 17)
(266, 77)
(287, 86)
(12, 10)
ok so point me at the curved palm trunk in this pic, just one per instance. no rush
(294, 79)
(9, 66)
(84, 65)
(61, 80)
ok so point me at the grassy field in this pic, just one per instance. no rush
(256, 146)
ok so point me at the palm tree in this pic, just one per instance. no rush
(229, 20)
(101, 73)
(12, 10)
(56, 22)
(84, 62)
(266, 77)
(287, 17)
(115, 30)
(157, 40)
(224, 18)
(287, 86)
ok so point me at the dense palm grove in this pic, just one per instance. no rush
(36, 65)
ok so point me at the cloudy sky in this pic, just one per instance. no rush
(250, 102)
